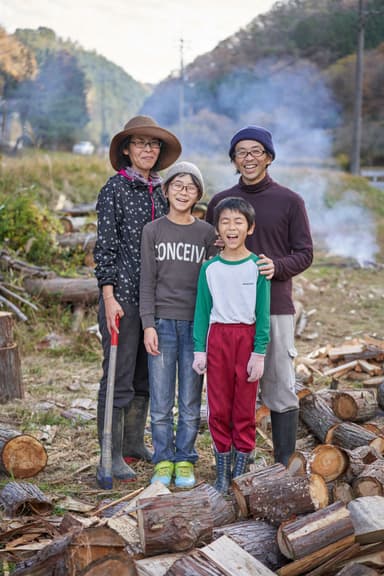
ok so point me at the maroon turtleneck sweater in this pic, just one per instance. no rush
(282, 233)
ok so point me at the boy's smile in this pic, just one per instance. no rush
(233, 229)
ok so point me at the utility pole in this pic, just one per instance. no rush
(357, 113)
(181, 93)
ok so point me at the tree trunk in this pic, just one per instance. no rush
(174, 522)
(312, 532)
(21, 455)
(367, 515)
(350, 435)
(11, 383)
(256, 537)
(223, 510)
(75, 290)
(24, 498)
(317, 415)
(243, 485)
(354, 405)
(279, 499)
(359, 458)
(327, 460)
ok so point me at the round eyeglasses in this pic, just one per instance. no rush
(179, 186)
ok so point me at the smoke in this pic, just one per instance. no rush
(292, 100)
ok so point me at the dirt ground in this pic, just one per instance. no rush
(339, 301)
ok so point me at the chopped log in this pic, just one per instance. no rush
(374, 381)
(328, 461)
(298, 463)
(167, 525)
(370, 481)
(156, 565)
(350, 435)
(279, 499)
(74, 552)
(194, 563)
(11, 383)
(21, 455)
(369, 368)
(380, 395)
(346, 545)
(317, 415)
(26, 269)
(18, 498)
(341, 370)
(354, 569)
(243, 485)
(359, 458)
(232, 559)
(341, 491)
(120, 565)
(222, 509)
(314, 531)
(367, 515)
(256, 537)
(339, 352)
(354, 405)
(60, 289)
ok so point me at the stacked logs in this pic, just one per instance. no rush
(350, 454)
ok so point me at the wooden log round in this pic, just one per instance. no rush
(243, 485)
(6, 329)
(312, 532)
(21, 455)
(350, 435)
(370, 482)
(279, 499)
(359, 458)
(380, 395)
(11, 382)
(341, 491)
(328, 461)
(354, 405)
(298, 463)
(112, 564)
(256, 537)
(174, 522)
(317, 415)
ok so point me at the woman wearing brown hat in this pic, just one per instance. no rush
(128, 200)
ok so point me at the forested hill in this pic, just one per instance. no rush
(69, 93)
(292, 69)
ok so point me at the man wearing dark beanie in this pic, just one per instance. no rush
(282, 240)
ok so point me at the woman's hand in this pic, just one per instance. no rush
(112, 308)
(151, 341)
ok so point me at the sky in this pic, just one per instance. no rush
(141, 36)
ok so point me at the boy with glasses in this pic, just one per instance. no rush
(172, 251)
(283, 241)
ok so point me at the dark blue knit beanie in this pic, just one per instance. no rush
(252, 132)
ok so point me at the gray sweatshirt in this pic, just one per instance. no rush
(171, 258)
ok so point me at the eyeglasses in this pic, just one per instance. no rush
(141, 144)
(179, 186)
(254, 152)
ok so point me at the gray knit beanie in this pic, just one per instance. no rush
(185, 168)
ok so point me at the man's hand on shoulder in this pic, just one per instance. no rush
(266, 266)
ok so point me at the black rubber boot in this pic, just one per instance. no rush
(135, 418)
(284, 429)
(120, 470)
(223, 471)
(241, 463)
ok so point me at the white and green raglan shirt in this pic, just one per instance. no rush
(232, 292)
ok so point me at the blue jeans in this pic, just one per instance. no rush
(176, 353)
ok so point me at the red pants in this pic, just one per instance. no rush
(231, 398)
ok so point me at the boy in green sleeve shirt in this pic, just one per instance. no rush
(231, 334)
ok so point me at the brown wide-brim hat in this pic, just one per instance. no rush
(145, 126)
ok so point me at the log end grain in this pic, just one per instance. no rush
(318, 491)
(23, 456)
(328, 461)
